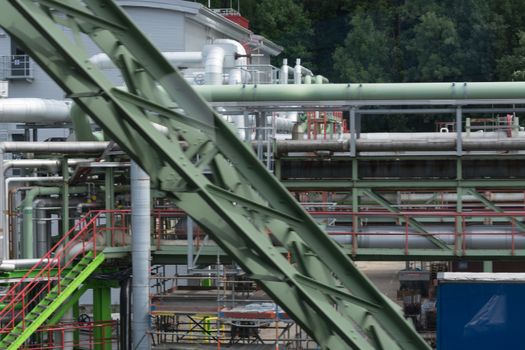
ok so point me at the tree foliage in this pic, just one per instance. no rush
(396, 40)
(512, 66)
(287, 23)
(371, 41)
(365, 54)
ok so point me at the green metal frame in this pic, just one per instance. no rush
(216, 179)
(69, 303)
(101, 314)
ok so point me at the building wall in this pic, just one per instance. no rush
(172, 25)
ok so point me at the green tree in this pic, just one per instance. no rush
(365, 53)
(512, 66)
(286, 23)
(434, 50)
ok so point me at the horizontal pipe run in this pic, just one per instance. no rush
(364, 145)
(54, 147)
(392, 237)
(364, 92)
(41, 163)
(13, 264)
(34, 110)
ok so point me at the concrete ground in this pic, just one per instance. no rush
(384, 275)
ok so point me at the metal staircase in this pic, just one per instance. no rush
(51, 302)
(199, 161)
(49, 283)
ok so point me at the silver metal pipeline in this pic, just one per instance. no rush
(14, 264)
(36, 147)
(393, 145)
(178, 59)
(42, 233)
(34, 110)
(475, 236)
(140, 245)
(283, 77)
(213, 64)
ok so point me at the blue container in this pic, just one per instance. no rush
(481, 315)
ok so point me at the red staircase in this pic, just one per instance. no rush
(59, 272)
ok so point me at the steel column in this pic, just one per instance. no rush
(102, 314)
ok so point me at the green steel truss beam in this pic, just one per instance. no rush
(217, 180)
(493, 207)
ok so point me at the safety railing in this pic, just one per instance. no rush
(90, 234)
(53, 336)
(16, 67)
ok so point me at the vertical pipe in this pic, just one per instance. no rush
(109, 185)
(65, 197)
(247, 126)
(352, 133)
(76, 315)
(27, 225)
(297, 72)
(41, 228)
(125, 303)
(69, 336)
(307, 79)
(189, 238)
(459, 141)
(283, 78)
(4, 238)
(140, 222)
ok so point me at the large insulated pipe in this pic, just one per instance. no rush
(364, 92)
(475, 237)
(43, 234)
(178, 59)
(140, 258)
(390, 145)
(27, 206)
(33, 110)
(236, 54)
(58, 111)
(213, 65)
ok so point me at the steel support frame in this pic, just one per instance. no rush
(239, 204)
(410, 221)
(101, 314)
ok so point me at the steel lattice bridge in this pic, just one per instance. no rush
(218, 181)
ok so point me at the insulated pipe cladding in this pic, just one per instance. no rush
(363, 93)
(386, 145)
(390, 237)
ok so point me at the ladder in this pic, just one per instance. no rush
(207, 171)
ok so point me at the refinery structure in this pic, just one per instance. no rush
(164, 186)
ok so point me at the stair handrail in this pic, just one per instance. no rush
(59, 249)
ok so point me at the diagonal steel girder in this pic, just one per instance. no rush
(240, 204)
(486, 202)
(411, 222)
